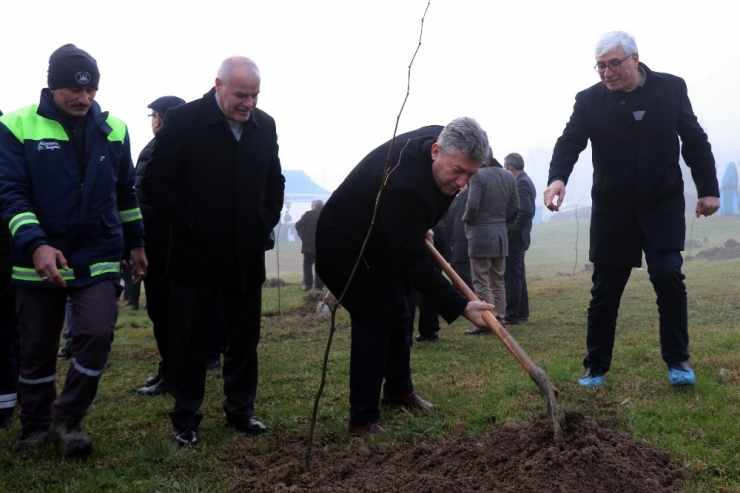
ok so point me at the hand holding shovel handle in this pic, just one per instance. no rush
(537, 374)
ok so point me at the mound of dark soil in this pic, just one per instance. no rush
(719, 253)
(508, 458)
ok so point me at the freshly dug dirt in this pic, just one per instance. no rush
(508, 458)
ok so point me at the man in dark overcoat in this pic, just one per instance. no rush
(519, 229)
(425, 170)
(306, 229)
(634, 118)
(157, 239)
(215, 173)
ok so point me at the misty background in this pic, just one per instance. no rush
(334, 72)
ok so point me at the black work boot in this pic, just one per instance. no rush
(32, 437)
(72, 439)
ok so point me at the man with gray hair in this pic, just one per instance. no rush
(419, 173)
(306, 229)
(215, 175)
(634, 118)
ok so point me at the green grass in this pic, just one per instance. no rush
(475, 381)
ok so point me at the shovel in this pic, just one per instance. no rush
(537, 374)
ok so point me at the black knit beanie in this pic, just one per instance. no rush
(70, 66)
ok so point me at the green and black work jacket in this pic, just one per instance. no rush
(44, 199)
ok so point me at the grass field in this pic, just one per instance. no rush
(475, 382)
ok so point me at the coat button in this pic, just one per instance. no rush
(623, 102)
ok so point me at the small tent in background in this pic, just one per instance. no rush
(728, 202)
(300, 191)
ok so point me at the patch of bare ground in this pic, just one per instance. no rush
(507, 458)
(729, 251)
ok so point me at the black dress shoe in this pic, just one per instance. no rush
(409, 400)
(153, 380)
(478, 330)
(511, 321)
(249, 425)
(185, 438)
(366, 430)
(158, 388)
(430, 338)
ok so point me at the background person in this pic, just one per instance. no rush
(492, 198)
(634, 118)
(8, 333)
(306, 229)
(459, 259)
(157, 229)
(519, 228)
(429, 166)
(215, 173)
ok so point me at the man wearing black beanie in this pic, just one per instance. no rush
(67, 195)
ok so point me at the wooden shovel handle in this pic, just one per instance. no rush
(488, 317)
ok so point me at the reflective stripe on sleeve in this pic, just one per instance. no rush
(21, 219)
(130, 215)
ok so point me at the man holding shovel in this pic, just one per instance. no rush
(418, 175)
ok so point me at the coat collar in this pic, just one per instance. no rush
(95, 116)
(48, 109)
(214, 115)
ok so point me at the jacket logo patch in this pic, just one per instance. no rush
(82, 77)
(48, 146)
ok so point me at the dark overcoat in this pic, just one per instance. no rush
(519, 226)
(306, 229)
(638, 190)
(396, 255)
(222, 197)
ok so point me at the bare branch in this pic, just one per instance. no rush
(386, 174)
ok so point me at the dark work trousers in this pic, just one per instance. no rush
(191, 308)
(308, 275)
(428, 318)
(157, 288)
(664, 269)
(8, 356)
(517, 300)
(41, 315)
(378, 353)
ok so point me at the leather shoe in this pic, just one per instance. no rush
(185, 438)
(409, 400)
(434, 337)
(249, 425)
(366, 430)
(478, 330)
(158, 388)
(511, 321)
(152, 380)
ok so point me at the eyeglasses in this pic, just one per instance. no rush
(154, 113)
(613, 65)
